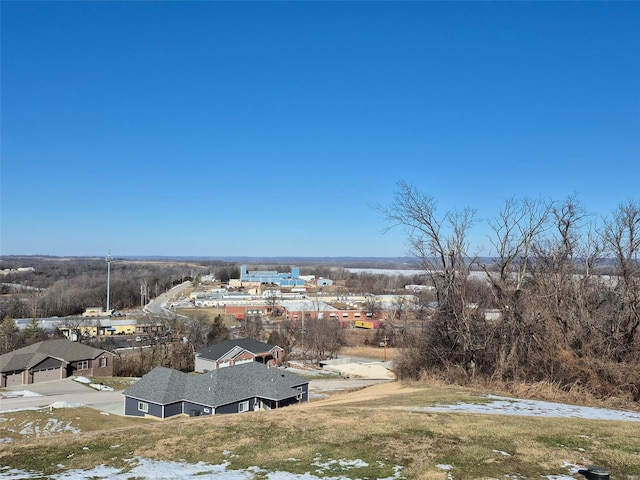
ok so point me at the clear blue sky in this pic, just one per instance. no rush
(271, 128)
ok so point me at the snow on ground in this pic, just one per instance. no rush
(537, 408)
(19, 393)
(164, 470)
(63, 405)
(51, 426)
(82, 380)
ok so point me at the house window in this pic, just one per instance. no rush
(243, 406)
(143, 407)
(299, 396)
(206, 410)
(275, 354)
(103, 362)
(83, 364)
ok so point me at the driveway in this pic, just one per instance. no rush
(65, 390)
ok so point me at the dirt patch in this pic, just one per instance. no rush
(368, 394)
(374, 353)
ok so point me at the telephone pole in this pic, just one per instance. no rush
(108, 259)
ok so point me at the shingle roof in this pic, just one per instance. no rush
(161, 385)
(218, 387)
(220, 350)
(63, 349)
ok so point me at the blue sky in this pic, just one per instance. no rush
(272, 128)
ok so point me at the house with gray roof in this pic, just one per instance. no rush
(164, 392)
(236, 352)
(53, 360)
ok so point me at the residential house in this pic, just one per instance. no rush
(53, 360)
(164, 392)
(235, 352)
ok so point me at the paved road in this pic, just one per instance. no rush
(158, 306)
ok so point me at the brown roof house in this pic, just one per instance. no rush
(53, 360)
(236, 352)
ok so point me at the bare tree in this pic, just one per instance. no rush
(372, 306)
(251, 327)
(272, 299)
(79, 327)
(323, 337)
(402, 305)
(441, 243)
(439, 240)
(515, 230)
(286, 336)
(621, 236)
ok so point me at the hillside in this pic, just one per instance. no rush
(384, 431)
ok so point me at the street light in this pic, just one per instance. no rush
(108, 259)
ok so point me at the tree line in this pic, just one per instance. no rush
(566, 285)
(68, 286)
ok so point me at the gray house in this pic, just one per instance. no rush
(165, 392)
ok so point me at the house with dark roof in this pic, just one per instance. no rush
(164, 392)
(53, 360)
(235, 352)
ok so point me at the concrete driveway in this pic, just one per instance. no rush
(65, 390)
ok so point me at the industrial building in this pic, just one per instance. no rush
(272, 277)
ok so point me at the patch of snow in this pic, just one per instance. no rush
(99, 386)
(444, 466)
(6, 440)
(63, 405)
(166, 470)
(52, 425)
(19, 393)
(82, 380)
(502, 453)
(344, 464)
(19, 409)
(513, 406)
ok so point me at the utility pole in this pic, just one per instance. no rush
(108, 259)
(385, 339)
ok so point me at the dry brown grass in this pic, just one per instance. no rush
(375, 353)
(373, 424)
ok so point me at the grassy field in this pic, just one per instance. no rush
(376, 426)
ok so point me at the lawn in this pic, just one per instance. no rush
(363, 434)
